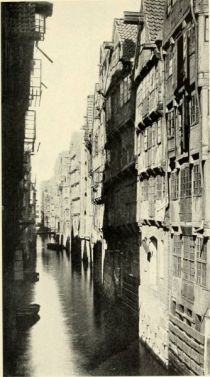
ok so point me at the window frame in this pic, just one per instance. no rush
(206, 29)
(194, 113)
(177, 255)
(174, 185)
(186, 183)
(201, 261)
(197, 184)
(170, 123)
(189, 259)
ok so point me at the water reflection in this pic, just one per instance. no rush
(78, 333)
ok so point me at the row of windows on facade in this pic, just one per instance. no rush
(150, 137)
(189, 183)
(152, 81)
(181, 54)
(120, 156)
(120, 97)
(171, 3)
(187, 111)
(190, 258)
(175, 118)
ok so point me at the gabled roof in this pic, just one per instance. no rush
(154, 11)
(128, 35)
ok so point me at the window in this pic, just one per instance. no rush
(192, 41)
(154, 134)
(201, 256)
(121, 94)
(39, 23)
(146, 139)
(144, 186)
(186, 182)
(171, 123)
(108, 108)
(189, 258)
(196, 180)
(193, 110)
(169, 63)
(151, 196)
(174, 185)
(159, 187)
(206, 29)
(177, 255)
(170, 66)
(125, 91)
(159, 131)
(149, 145)
(180, 60)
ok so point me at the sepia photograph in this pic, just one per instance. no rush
(105, 182)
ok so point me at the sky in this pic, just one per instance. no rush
(73, 38)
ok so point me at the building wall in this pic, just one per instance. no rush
(186, 81)
(152, 200)
(121, 261)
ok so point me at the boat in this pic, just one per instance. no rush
(28, 313)
(31, 276)
(55, 246)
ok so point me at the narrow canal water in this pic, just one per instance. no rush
(77, 333)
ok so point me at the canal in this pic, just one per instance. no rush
(77, 333)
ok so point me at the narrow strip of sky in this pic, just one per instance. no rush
(73, 38)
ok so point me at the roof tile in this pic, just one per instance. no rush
(155, 13)
(128, 36)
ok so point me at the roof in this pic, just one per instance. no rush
(128, 36)
(155, 13)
